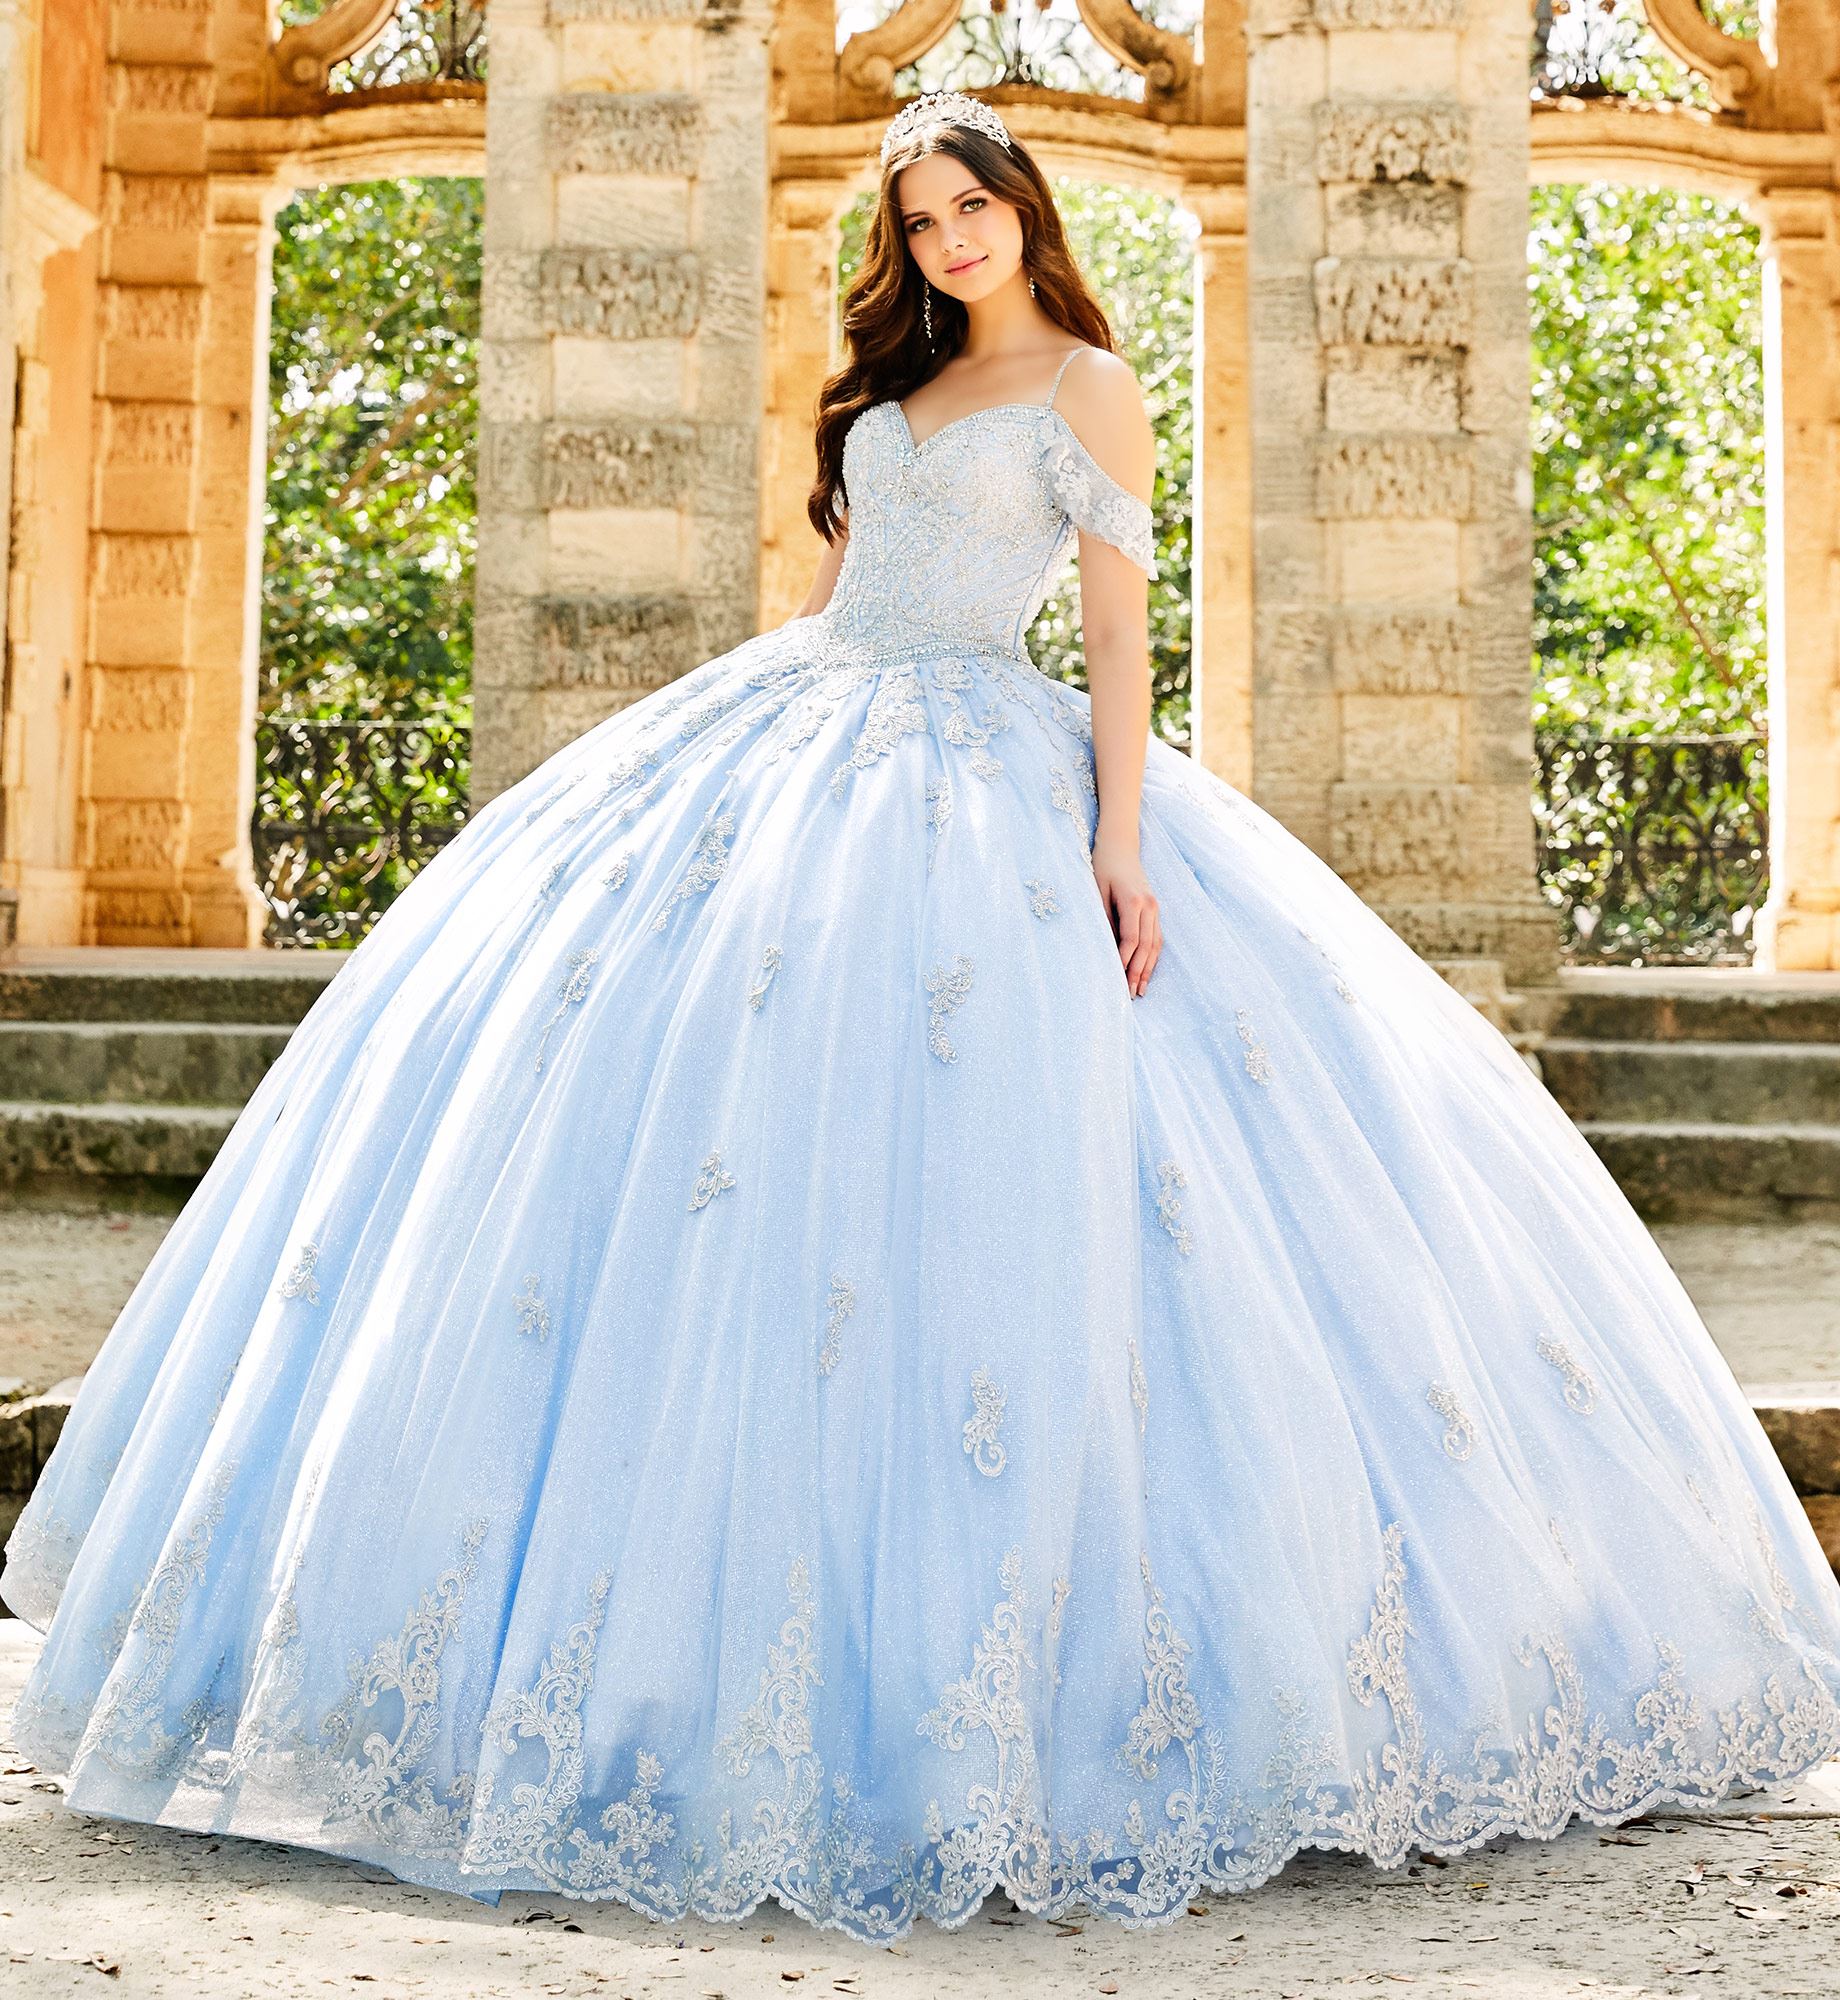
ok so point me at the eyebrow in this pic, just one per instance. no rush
(976, 187)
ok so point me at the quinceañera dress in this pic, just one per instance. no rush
(729, 1358)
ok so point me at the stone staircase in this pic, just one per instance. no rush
(1708, 1094)
(122, 1070)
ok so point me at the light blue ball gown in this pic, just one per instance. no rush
(729, 1359)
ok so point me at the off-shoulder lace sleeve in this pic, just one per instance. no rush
(1094, 501)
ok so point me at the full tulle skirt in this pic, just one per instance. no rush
(728, 1358)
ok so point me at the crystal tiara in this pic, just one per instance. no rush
(943, 107)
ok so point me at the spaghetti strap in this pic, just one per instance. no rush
(1058, 373)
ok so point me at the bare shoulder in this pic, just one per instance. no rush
(1103, 403)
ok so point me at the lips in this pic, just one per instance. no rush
(971, 264)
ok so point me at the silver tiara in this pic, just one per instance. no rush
(943, 107)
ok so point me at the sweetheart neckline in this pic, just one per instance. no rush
(918, 445)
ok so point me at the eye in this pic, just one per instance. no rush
(974, 201)
(919, 222)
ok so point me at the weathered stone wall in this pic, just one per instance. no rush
(1388, 173)
(621, 366)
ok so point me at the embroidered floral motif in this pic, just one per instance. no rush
(615, 877)
(40, 1554)
(1258, 1063)
(842, 1305)
(569, 993)
(301, 1282)
(705, 869)
(947, 988)
(621, 775)
(959, 729)
(1170, 1713)
(1169, 1178)
(1459, 1431)
(711, 1178)
(125, 1728)
(1043, 902)
(769, 965)
(536, 812)
(1342, 986)
(1060, 1589)
(552, 878)
(981, 1427)
(1580, 1389)
(375, 1777)
(532, 1313)
(1552, 1528)
(1140, 1388)
(895, 710)
(1061, 796)
(938, 816)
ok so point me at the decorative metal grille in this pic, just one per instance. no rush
(345, 813)
(1655, 848)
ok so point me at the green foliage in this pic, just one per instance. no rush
(373, 416)
(1137, 252)
(1648, 463)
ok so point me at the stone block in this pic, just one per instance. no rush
(1402, 736)
(629, 56)
(1363, 141)
(626, 645)
(620, 294)
(637, 213)
(1392, 389)
(514, 380)
(1394, 219)
(139, 836)
(601, 378)
(1291, 648)
(637, 549)
(1393, 301)
(1405, 477)
(635, 463)
(1404, 650)
(1398, 833)
(128, 701)
(628, 132)
(1392, 561)
(1391, 14)
(1380, 62)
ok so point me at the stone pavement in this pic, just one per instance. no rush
(1744, 1902)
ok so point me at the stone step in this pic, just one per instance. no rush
(1677, 1169)
(128, 984)
(1743, 1083)
(144, 1062)
(108, 1155)
(1711, 1004)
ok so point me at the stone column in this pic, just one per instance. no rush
(801, 332)
(621, 361)
(1220, 706)
(1799, 926)
(1388, 147)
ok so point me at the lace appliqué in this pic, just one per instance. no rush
(615, 877)
(711, 1178)
(570, 993)
(1061, 794)
(532, 1313)
(1095, 502)
(1459, 1430)
(1258, 1063)
(981, 1427)
(301, 1282)
(938, 816)
(705, 869)
(959, 729)
(895, 710)
(842, 1305)
(1169, 1179)
(947, 988)
(769, 964)
(1580, 1389)
(1043, 902)
(1140, 1388)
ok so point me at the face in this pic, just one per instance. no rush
(965, 239)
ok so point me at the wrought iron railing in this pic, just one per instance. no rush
(1654, 848)
(345, 813)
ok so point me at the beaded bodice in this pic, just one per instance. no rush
(958, 538)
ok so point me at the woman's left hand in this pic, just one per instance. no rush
(1131, 906)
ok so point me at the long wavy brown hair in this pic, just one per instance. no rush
(888, 354)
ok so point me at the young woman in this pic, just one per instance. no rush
(874, 1287)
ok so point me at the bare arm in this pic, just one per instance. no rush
(825, 579)
(1104, 406)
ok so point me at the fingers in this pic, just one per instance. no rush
(1140, 940)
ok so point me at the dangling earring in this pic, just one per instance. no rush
(926, 312)
(1031, 288)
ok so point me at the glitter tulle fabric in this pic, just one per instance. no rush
(729, 1359)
